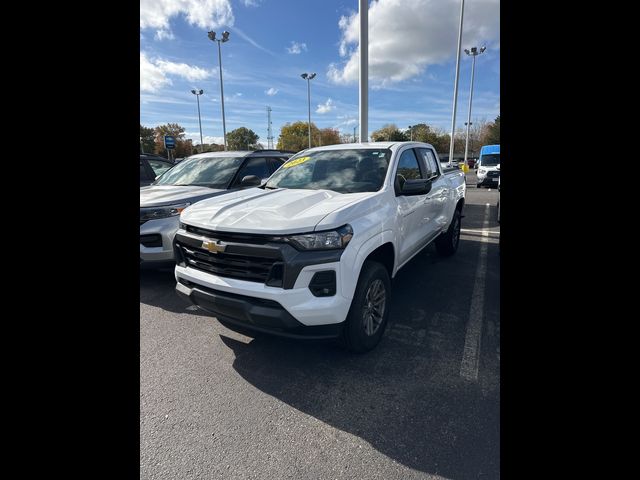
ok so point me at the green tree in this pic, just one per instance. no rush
(295, 136)
(389, 133)
(147, 139)
(493, 133)
(241, 139)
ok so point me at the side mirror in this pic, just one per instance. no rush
(418, 186)
(250, 181)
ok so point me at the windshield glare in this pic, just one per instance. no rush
(213, 172)
(490, 160)
(343, 171)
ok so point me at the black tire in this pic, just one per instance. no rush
(362, 330)
(447, 243)
(478, 185)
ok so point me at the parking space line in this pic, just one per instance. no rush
(471, 353)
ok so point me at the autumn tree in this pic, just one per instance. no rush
(493, 133)
(295, 136)
(389, 133)
(242, 139)
(147, 139)
(184, 146)
(329, 136)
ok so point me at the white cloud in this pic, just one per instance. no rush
(195, 138)
(183, 70)
(297, 48)
(164, 34)
(201, 13)
(154, 73)
(152, 78)
(406, 37)
(326, 107)
(271, 92)
(251, 3)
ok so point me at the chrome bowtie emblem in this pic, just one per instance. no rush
(213, 246)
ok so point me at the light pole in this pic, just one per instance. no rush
(225, 38)
(197, 93)
(455, 84)
(474, 53)
(308, 77)
(411, 132)
(354, 133)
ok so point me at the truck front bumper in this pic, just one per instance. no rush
(257, 314)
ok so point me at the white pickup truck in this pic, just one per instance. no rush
(311, 252)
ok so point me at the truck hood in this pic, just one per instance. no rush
(161, 195)
(279, 211)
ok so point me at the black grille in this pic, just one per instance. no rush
(493, 174)
(242, 266)
(149, 241)
(231, 237)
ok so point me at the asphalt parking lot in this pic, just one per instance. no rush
(424, 404)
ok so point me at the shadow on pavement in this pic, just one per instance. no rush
(157, 288)
(405, 397)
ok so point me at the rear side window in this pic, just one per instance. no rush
(430, 161)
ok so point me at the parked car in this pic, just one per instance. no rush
(152, 166)
(488, 173)
(198, 177)
(311, 253)
(498, 195)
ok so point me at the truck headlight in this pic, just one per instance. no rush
(153, 213)
(338, 238)
(482, 170)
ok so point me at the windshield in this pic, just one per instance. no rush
(343, 171)
(490, 160)
(213, 172)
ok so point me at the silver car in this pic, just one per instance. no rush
(198, 177)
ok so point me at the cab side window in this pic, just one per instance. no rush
(253, 166)
(144, 176)
(159, 167)
(408, 166)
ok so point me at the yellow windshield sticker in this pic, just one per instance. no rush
(295, 162)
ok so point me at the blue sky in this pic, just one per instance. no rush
(412, 48)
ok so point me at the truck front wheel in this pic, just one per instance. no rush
(447, 243)
(367, 318)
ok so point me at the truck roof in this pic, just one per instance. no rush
(372, 145)
(487, 149)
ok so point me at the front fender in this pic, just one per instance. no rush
(353, 259)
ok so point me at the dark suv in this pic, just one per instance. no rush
(152, 166)
(194, 179)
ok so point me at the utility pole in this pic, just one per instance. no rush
(269, 133)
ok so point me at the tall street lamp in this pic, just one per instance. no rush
(354, 133)
(474, 53)
(197, 93)
(455, 84)
(225, 38)
(411, 132)
(308, 77)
